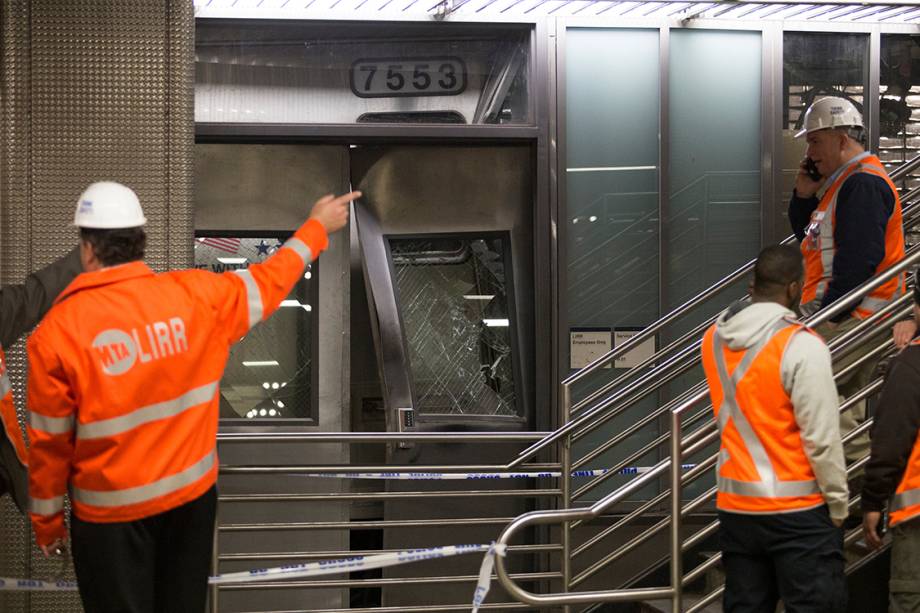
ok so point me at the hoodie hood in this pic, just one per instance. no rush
(743, 324)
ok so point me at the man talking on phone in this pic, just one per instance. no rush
(846, 214)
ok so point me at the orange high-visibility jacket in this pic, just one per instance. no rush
(905, 504)
(819, 248)
(8, 419)
(762, 464)
(123, 383)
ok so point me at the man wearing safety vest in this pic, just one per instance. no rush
(21, 307)
(850, 234)
(782, 489)
(893, 473)
(123, 401)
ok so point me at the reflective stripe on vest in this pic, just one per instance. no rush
(819, 248)
(145, 493)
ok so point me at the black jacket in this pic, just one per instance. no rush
(21, 308)
(894, 432)
(864, 205)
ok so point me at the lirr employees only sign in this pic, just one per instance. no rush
(588, 344)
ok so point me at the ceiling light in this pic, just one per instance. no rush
(252, 363)
(275, 385)
(495, 323)
(232, 260)
(479, 296)
(263, 412)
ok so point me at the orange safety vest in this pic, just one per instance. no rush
(8, 417)
(762, 464)
(123, 383)
(818, 247)
(905, 504)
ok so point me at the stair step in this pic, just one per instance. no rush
(664, 605)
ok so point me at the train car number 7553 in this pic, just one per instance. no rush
(422, 76)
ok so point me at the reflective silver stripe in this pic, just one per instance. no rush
(826, 245)
(768, 485)
(301, 248)
(5, 385)
(51, 425)
(46, 506)
(905, 499)
(768, 490)
(253, 297)
(143, 493)
(874, 304)
(143, 415)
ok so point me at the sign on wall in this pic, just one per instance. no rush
(588, 344)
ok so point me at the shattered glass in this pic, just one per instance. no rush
(453, 300)
(268, 375)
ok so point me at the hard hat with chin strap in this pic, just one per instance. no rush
(107, 205)
(830, 112)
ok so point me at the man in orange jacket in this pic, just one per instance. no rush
(782, 488)
(123, 399)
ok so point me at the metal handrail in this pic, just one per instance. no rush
(843, 304)
(677, 547)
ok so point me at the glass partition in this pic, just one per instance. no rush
(713, 220)
(815, 64)
(899, 107)
(612, 224)
(269, 375)
(454, 299)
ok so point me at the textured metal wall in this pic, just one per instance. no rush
(91, 90)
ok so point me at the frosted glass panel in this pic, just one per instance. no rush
(612, 176)
(612, 128)
(713, 222)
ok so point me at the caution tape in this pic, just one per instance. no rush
(314, 569)
(36, 585)
(420, 476)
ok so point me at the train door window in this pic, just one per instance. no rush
(455, 301)
(270, 374)
(298, 72)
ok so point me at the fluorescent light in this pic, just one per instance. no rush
(479, 296)
(232, 260)
(610, 168)
(295, 303)
(260, 362)
(495, 323)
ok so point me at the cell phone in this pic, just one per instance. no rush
(811, 169)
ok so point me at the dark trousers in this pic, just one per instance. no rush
(796, 557)
(158, 564)
(904, 586)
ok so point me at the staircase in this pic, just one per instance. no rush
(656, 525)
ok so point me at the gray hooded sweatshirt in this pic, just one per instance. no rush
(807, 377)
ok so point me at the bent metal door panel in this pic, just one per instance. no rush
(446, 235)
(286, 373)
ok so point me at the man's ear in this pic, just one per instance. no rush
(88, 257)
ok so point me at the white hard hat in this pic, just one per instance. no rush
(108, 205)
(830, 112)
